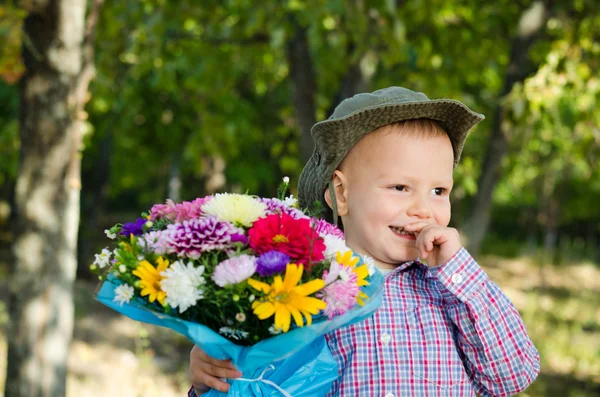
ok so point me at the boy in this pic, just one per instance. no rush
(384, 162)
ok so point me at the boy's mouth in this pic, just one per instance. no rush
(399, 230)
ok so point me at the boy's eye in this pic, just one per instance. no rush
(399, 188)
(438, 191)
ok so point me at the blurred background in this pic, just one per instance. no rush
(125, 104)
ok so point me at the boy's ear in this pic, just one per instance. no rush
(340, 187)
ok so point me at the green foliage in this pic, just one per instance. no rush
(202, 92)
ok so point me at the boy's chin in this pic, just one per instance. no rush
(407, 256)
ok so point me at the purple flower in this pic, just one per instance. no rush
(136, 228)
(190, 238)
(325, 228)
(272, 262)
(276, 206)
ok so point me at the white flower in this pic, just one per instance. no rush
(241, 317)
(286, 180)
(110, 235)
(333, 245)
(103, 258)
(239, 209)
(290, 201)
(122, 268)
(233, 333)
(183, 285)
(123, 294)
(234, 270)
(251, 298)
(370, 262)
(273, 330)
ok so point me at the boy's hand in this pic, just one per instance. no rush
(437, 244)
(205, 372)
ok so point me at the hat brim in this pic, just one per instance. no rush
(335, 137)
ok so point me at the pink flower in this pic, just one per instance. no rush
(325, 228)
(183, 211)
(234, 270)
(154, 241)
(341, 289)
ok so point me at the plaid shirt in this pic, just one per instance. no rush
(443, 331)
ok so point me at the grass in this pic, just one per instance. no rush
(112, 355)
(560, 306)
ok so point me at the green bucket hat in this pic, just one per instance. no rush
(355, 117)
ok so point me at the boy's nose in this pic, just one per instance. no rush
(419, 208)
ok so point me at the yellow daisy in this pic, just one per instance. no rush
(150, 279)
(286, 299)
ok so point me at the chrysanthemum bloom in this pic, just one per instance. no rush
(153, 241)
(272, 262)
(150, 279)
(294, 237)
(234, 270)
(180, 212)
(286, 299)
(190, 238)
(341, 290)
(123, 294)
(239, 209)
(183, 285)
(323, 227)
(134, 228)
(276, 206)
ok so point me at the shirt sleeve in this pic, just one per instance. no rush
(498, 354)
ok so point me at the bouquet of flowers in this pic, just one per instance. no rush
(243, 277)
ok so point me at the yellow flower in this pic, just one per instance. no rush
(150, 279)
(362, 272)
(239, 209)
(286, 299)
(346, 258)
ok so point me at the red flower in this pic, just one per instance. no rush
(293, 237)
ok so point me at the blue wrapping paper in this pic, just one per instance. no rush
(298, 361)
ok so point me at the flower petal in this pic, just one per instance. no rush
(296, 314)
(264, 310)
(259, 285)
(293, 274)
(310, 288)
(282, 318)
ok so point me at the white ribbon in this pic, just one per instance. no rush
(270, 367)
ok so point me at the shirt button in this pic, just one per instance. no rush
(457, 278)
(390, 395)
(385, 338)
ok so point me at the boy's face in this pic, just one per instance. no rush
(390, 179)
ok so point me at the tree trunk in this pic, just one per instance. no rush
(53, 92)
(531, 23)
(303, 87)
